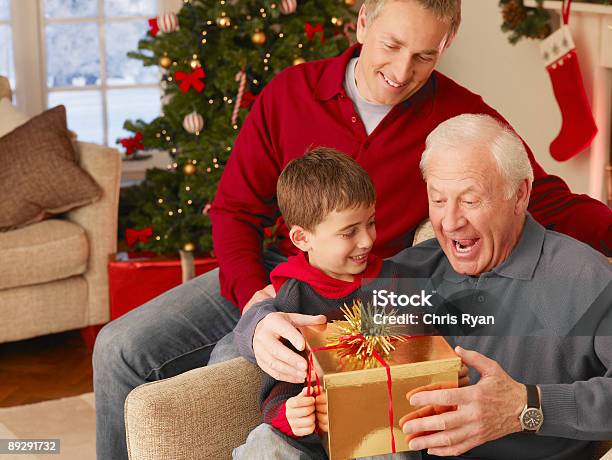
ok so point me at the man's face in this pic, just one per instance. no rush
(400, 50)
(475, 225)
(339, 246)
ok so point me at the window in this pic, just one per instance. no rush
(87, 70)
(82, 63)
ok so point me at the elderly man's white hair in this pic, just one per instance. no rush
(482, 131)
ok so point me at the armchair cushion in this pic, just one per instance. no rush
(40, 174)
(46, 251)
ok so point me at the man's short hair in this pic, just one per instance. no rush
(322, 181)
(446, 10)
(482, 130)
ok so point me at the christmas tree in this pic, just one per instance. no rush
(215, 57)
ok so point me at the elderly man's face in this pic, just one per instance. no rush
(476, 226)
(400, 50)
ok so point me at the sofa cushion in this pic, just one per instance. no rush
(10, 117)
(46, 251)
(40, 175)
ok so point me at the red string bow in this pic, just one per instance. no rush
(188, 80)
(132, 144)
(153, 27)
(133, 235)
(312, 30)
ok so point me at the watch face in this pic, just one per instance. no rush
(532, 419)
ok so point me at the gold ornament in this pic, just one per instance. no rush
(189, 247)
(165, 62)
(194, 64)
(224, 22)
(298, 61)
(258, 38)
(189, 169)
(350, 2)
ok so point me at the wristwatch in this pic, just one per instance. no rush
(531, 417)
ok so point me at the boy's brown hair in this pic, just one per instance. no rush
(322, 181)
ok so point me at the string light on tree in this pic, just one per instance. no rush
(224, 21)
(189, 247)
(350, 3)
(194, 63)
(298, 61)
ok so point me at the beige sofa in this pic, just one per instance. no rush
(53, 274)
(205, 413)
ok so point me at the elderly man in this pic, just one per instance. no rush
(377, 102)
(549, 371)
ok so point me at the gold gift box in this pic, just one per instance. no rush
(358, 398)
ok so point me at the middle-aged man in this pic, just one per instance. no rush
(377, 102)
(550, 295)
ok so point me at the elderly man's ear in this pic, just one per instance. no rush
(522, 197)
(300, 238)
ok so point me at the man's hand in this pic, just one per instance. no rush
(266, 293)
(485, 411)
(272, 356)
(300, 412)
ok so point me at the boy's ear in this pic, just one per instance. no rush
(300, 238)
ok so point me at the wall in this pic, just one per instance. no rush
(513, 80)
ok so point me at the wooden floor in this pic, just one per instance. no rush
(50, 367)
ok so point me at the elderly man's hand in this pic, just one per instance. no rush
(273, 357)
(485, 411)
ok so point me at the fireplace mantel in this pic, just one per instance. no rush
(591, 27)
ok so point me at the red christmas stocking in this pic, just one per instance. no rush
(578, 128)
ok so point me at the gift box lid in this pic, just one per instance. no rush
(415, 357)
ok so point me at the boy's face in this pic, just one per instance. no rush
(339, 246)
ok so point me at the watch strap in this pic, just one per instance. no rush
(533, 397)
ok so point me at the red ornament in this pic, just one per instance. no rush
(132, 144)
(153, 27)
(247, 100)
(312, 30)
(188, 80)
(132, 236)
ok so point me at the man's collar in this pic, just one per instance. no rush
(523, 260)
(331, 81)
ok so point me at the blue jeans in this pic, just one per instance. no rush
(169, 335)
(269, 443)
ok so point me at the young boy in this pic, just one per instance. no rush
(327, 201)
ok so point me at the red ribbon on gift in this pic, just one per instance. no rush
(132, 235)
(376, 355)
(190, 79)
(153, 27)
(132, 144)
(312, 30)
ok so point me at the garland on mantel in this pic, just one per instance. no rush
(522, 21)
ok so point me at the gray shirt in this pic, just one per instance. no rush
(558, 294)
(371, 114)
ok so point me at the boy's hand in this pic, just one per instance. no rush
(300, 412)
(321, 411)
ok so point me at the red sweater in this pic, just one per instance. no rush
(306, 106)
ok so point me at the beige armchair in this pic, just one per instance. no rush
(53, 274)
(207, 412)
